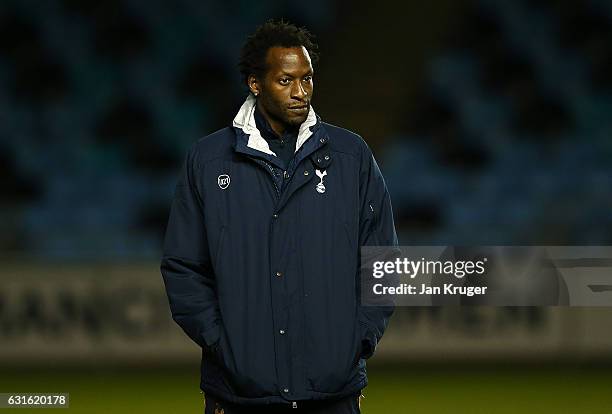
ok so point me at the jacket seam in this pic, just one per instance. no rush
(345, 152)
(185, 259)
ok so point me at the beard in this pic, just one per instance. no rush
(295, 119)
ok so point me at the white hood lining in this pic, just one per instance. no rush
(245, 120)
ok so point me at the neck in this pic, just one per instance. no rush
(278, 127)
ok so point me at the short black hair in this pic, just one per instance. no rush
(270, 34)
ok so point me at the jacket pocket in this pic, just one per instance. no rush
(244, 375)
(221, 353)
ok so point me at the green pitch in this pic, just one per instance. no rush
(405, 389)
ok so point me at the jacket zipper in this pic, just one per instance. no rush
(271, 169)
(273, 177)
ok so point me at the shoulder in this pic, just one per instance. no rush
(346, 141)
(215, 145)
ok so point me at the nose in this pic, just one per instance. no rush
(298, 92)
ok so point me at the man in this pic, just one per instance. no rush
(261, 255)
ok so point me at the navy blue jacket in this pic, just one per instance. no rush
(261, 261)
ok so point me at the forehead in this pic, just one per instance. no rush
(291, 60)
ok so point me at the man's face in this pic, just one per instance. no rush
(285, 91)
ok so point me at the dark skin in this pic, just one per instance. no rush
(285, 90)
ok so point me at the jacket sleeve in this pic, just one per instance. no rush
(376, 228)
(186, 266)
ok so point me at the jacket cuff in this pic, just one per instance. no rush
(211, 335)
(368, 341)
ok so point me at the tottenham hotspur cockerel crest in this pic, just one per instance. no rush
(320, 187)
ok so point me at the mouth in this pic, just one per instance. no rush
(299, 109)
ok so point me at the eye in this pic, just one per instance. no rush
(284, 81)
(307, 78)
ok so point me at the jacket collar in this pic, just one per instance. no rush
(245, 121)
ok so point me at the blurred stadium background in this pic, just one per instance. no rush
(491, 121)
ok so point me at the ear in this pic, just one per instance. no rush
(254, 85)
